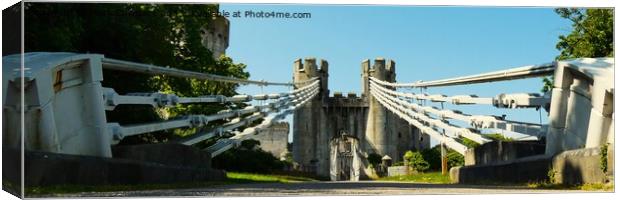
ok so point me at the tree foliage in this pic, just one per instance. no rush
(247, 158)
(433, 157)
(455, 159)
(416, 161)
(250, 144)
(592, 36)
(374, 159)
(159, 34)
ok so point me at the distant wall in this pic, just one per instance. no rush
(569, 167)
(498, 151)
(274, 139)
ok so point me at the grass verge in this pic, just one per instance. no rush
(232, 178)
(429, 177)
(239, 177)
(586, 187)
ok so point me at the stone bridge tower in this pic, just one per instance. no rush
(379, 138)
(308, 120)
(327, 119)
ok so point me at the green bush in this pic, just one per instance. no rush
(499, 137)
(246, 158)
(433, 157)
(374, 159)
(416, 161)
(469, 143)
(249, 144)
(551, 175)
(455, 159)
(603, 158)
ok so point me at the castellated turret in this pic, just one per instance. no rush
(308, 70)
(307, 120)
(376, 129)
(334, 134)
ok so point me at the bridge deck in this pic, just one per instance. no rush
(328, 189)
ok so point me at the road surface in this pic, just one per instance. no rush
(324, 189)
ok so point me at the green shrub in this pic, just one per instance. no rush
(469, 143)
(455, 159)
(433, 157)
(374, 159)
(249, 144)
(416, 161)
(499, 137)
(603, 158)
(246, 158)
(552, 175)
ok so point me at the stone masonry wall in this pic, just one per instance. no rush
(274, 139)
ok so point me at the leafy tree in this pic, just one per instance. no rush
(247, 158)
(416, 161)
(592, 36)
(455, 159)
(433, 157)
(249, 144)
(374, 159)
(159, 34)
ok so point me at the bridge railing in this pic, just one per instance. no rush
(119, 132)
(65, 104)
(587, 106)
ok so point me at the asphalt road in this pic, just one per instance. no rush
(327, 188)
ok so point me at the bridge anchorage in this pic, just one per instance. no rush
(65, 106)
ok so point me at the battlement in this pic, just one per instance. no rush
(310, 67)
(380, 69)
(350, 95)
(281, 126)
(351, 99)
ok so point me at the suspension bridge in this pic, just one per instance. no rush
(64, 110)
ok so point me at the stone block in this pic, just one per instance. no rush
(570, 167)
(499, 151)
(398, 171)
(46, 169)
(524, 170)
(579, 166)
(454, 174)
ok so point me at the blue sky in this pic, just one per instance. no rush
(427, 43)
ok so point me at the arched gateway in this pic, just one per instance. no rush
(345, 158)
